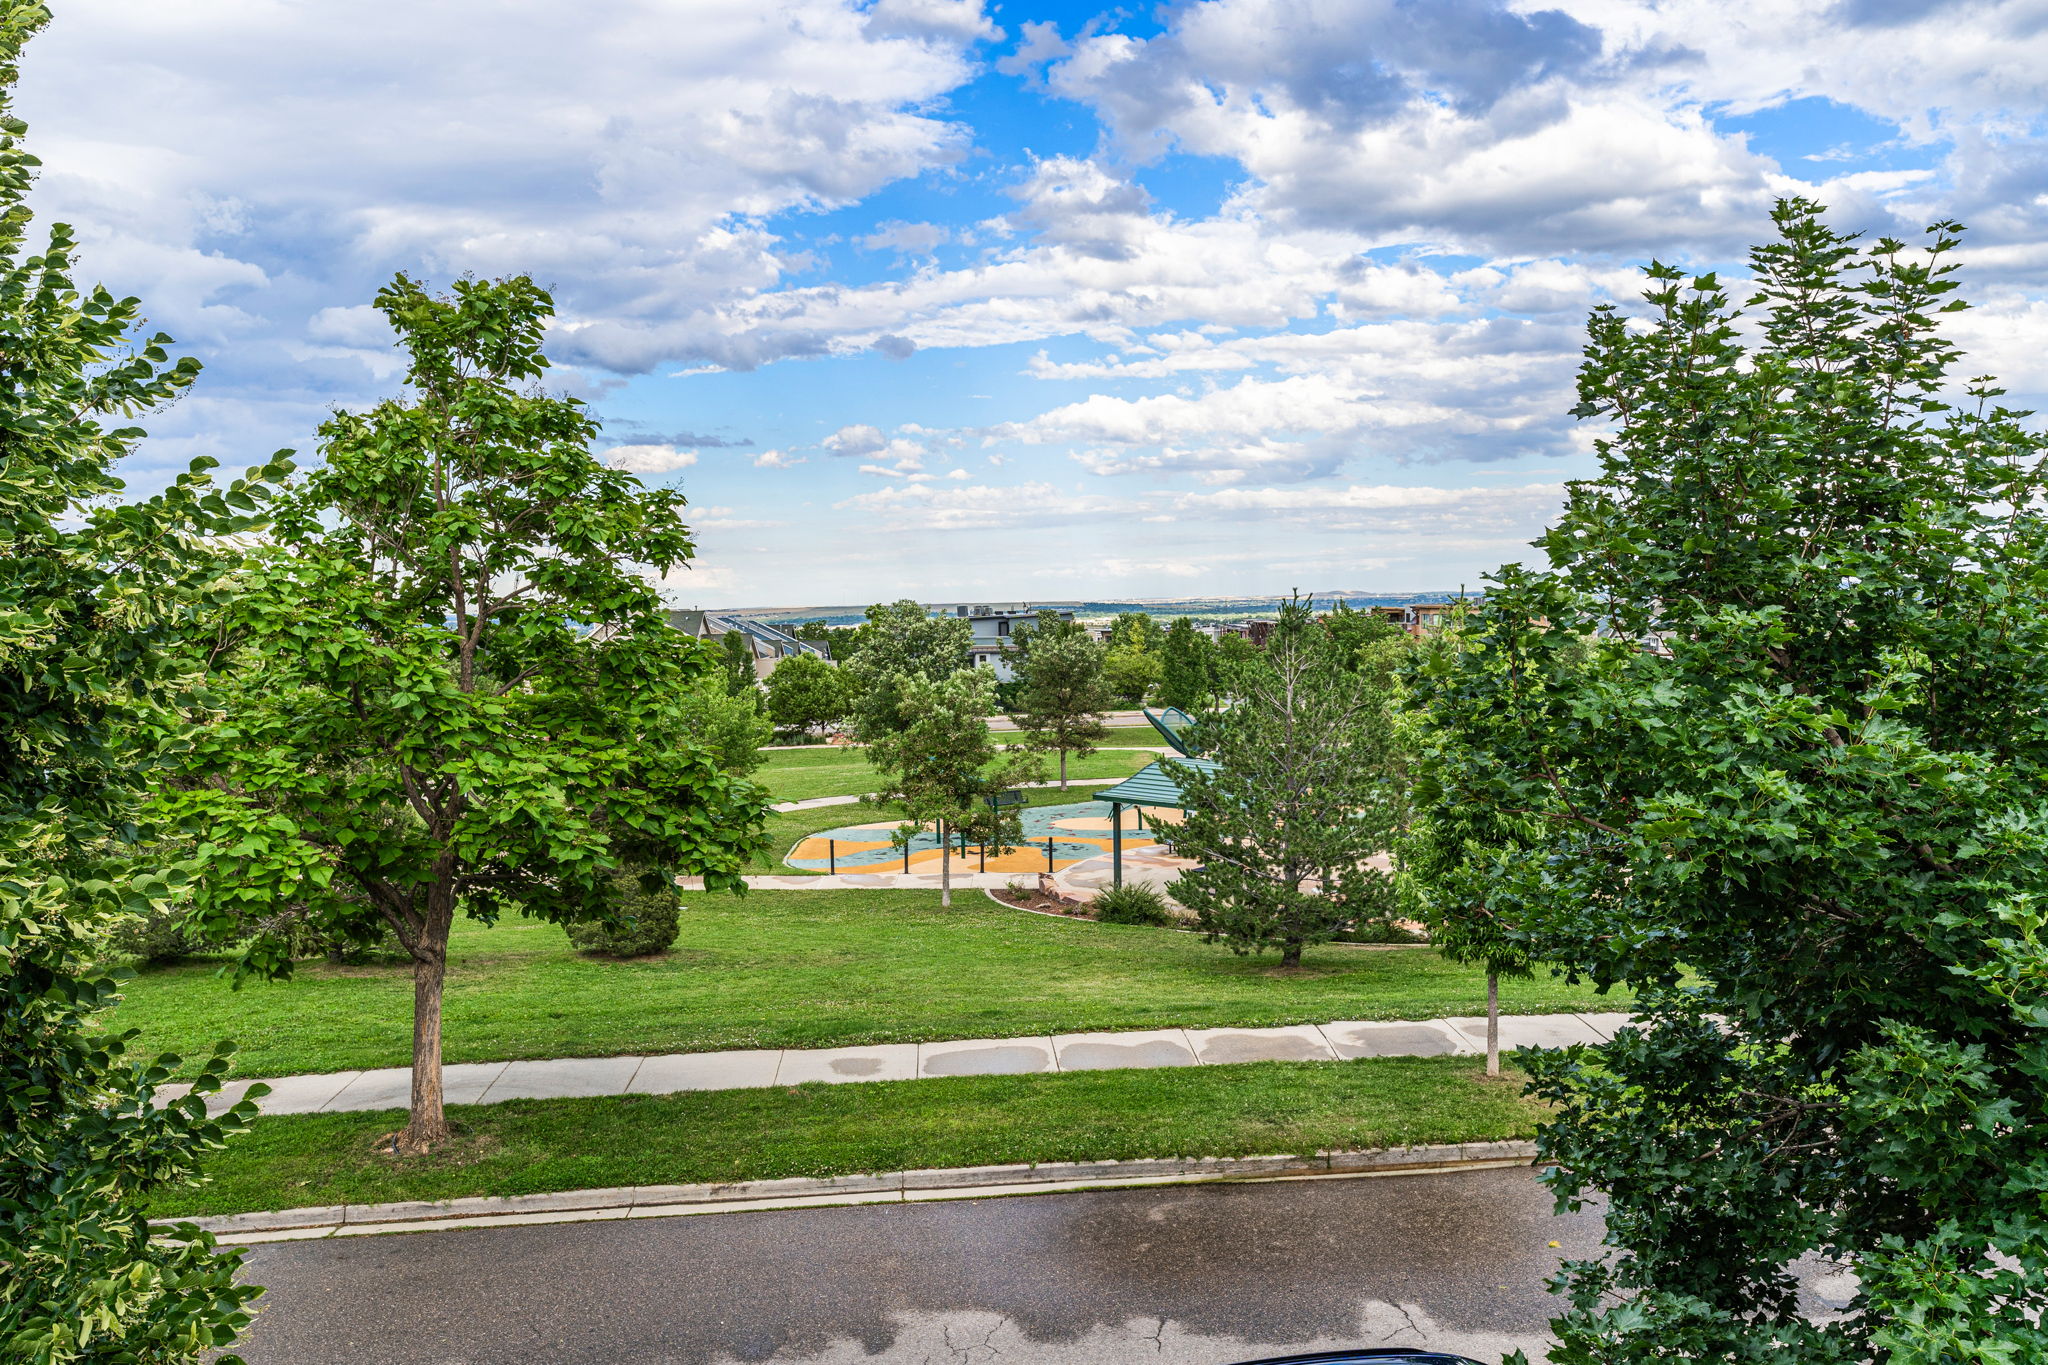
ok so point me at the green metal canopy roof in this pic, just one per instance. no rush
(1153, 785)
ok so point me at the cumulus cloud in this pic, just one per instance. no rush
(855, 440)
(906, 238)
(249, 169)
(964, 507)
(958, 20)
(649, 459)
(1408, 208)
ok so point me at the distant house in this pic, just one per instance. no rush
(1417, 618)
(1255, 631)
(993, 628)
(769, 645)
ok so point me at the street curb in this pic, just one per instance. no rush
(965, 1182)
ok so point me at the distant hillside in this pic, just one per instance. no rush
(1201, 608)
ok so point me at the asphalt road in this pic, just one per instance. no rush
(1189, 1274)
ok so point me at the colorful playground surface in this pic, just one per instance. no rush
(1054, 837)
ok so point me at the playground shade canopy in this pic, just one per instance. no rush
(1152, 785)
(1177, 728)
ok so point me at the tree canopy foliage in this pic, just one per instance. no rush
(448, 686)
(942, 764)
(1064, 696)
(1187, 666)
(901, 640)
(1774, 722)
(94, 595)
(806, 693)
(1299, 803)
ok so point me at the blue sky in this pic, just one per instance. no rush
(944, 299)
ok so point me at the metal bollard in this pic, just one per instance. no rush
(832, 856)
(1048, 853)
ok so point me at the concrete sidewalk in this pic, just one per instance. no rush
(573, 1077)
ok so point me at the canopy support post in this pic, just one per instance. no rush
(1116, 843)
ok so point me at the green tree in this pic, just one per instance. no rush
(1136, 630)
(1048, 625)
(732, 728)
(901, 640)
(449, 685)
(92, 593)
(736, 656)
(1283, 827)
(1185, 664)
(805, 693)
(1130, 672)
(1362, 635)
(1773, 714)
(1233, 652)
(941, 765)
(1065, 697)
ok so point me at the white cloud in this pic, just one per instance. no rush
(859, 439)
(959, 20)
(649, 459)
(254, 165)
(956, 507)
(775, 459)
(906, 238)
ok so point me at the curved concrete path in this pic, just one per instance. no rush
(571, 1077)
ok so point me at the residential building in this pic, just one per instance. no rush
(1418, 618)
(769, 645)
(993, 627)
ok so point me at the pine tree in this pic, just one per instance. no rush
(1299, 801)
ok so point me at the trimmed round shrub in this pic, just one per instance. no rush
(648, 923)
(1131, 903)
(159, 936)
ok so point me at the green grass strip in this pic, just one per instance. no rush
(536, 1146)
(802, 969)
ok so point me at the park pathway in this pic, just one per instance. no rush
(574, 1077)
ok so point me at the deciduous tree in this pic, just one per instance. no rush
(805, 693)
(901, 640)
(1299, 802)
(1774, 716)
(450, 684)
(1131, 672)
(1065, 697)
(941, 765)
(93, 592)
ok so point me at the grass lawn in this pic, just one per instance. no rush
(535, 1146)
(1135, 734)
(800, 774)
(800, 969)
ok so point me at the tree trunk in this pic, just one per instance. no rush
(1493, 1023)
(1063, 770)
(1290, 952)
(945, 867)
(428, 1125)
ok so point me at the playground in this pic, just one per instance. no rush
(1054, 838)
